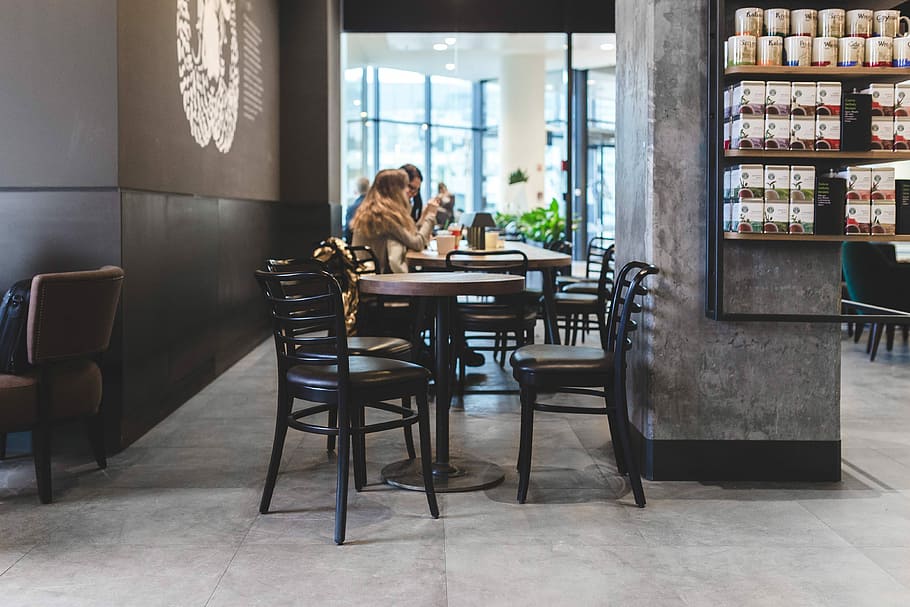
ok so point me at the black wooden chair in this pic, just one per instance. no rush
(502, 316)
(314, 365)
(576, 302)
(600, 249)
(383, 347)
(579, 370)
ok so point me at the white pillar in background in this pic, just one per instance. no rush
(522, 130)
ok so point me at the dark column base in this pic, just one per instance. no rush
(738, 460)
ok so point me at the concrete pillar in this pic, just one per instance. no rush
(713, 400)
(522, 131)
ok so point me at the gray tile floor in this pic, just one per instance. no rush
(173, 520)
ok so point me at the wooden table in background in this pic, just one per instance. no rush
(539, 259)
(450, 474)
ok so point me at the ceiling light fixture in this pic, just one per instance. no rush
(439, 46)
(357, 102)
(450, 41)
(450, 67)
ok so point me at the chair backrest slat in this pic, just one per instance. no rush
(295, 318)
(619, 322)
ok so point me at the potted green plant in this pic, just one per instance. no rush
(543, 225)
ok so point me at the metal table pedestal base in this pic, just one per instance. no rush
(468, 475)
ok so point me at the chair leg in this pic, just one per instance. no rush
(877, 331)
(889, 337)
(2, 445)
(461, 366)
(906, 331)
(341, 486)
(95, 429)
(333, 423)
(426, 451)
(408, 430)
(622, 425)
(617, 445)
(41, 446)
(281, 431)
(872, 331)
(358, 448)
(528, 397)
(858, 332)
(568, 337)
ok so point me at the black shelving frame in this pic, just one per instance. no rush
(717, 161)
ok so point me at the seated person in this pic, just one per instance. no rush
(363, 185)
(446, 212)
(383, 221)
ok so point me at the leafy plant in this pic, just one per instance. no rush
(543, 224)
(517, 176)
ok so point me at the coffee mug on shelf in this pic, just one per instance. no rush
(798, 51)
(878, 52)
(900, 52)
(748, 21)
(803, 22)
(741, 50)
(770, 50)
(859, 23)
(850, 51)
(831, 22)
(776, 22)
(888, 23)
(824, 51)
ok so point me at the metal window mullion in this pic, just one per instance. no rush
(427, 144)
(376, 121)
(477, 138)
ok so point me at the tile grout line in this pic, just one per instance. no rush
(231, 562)
(18, 560)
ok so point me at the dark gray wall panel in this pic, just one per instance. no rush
(58, 93)
(54, 231)
(158, 151)
(191, 306)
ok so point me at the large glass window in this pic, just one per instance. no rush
(490, 110)
(452, 101)
(402, 144)
(402, 95)
(453, 163)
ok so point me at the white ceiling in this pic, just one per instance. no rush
(475, 56)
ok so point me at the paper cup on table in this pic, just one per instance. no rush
(491, 240)
(444, 244)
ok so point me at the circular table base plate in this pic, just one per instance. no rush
(471, 475)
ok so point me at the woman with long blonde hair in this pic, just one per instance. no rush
(383, 221)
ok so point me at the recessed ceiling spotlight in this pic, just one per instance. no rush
(439, 46)
(363, 114)
(425, 126)
(607, 47)
(357, 102)
(450, 67)
(549, 87)
(450, 41)
(592, 82)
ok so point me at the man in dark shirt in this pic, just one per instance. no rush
(363, 184)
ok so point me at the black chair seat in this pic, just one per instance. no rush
(581, 287)
(389, 347)
(367, 373)
(551, 365)
(575, 300)
(470, 316)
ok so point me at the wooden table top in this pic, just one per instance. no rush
(441, 284)
(538, 258)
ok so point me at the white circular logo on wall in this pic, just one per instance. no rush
(207, 63)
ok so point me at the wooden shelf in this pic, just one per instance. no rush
(842, 74)
(811, 156)
(818, 237)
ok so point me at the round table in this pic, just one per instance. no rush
(450, 474)
(539, 259)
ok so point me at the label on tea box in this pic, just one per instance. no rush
(748, 181)
(802, 98)
(802, 184)
(777, 132)
(748, 98)
(884, 218)
(901, 133)
(748, 216)
(827, 133)
(857, 216)
(802, 218)
(856, 122)
(802, 132)
(827, 99)
(777, 183)
(882, 99)
(748, 133)
(776, 217)
(777, 98)
(859, 183)
(902, 99)
(882, 133)
(830, 194)
(883, 183)
(902, 196)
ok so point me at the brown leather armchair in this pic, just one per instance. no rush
(70, 318)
